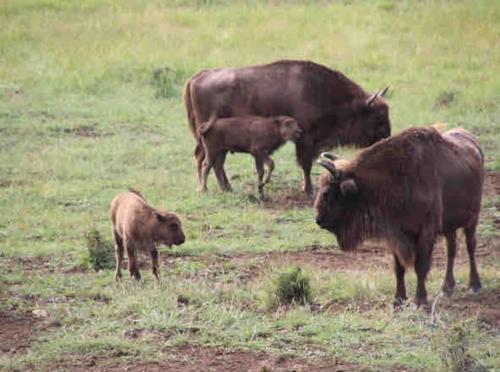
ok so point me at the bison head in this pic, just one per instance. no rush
(366, 121)
(336, 203)
(168, 229)
(288, 127)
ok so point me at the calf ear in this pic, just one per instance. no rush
(348, 187)
(159, 217)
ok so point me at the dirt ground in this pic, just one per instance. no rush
(193, 359)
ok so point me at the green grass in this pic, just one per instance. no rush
(90, 103)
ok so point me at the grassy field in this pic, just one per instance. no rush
(90, 103)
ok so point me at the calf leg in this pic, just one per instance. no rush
(118, 255)
(220, 173)
(449, 280)
(199, 155)
(133, 270)
(153, 251)
(259, 164)
(305, 158)
(399, 270)
(470, 239)
(270, 167)
(207, 165)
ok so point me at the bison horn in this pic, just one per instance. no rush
(384, 91)
(329, 166)
(329, 155)
(372, 98)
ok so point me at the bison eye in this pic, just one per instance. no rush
(173, 226)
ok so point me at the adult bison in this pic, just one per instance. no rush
(407, 190)
(330, 108)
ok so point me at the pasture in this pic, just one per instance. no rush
(91, 103)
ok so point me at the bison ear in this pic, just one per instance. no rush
(159, 217)
(348, 187)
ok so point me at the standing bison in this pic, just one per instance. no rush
(407, 190)
(330, 108)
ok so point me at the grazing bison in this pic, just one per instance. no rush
(250, 134)
(138, 226)
(407, 190)
(330, 108)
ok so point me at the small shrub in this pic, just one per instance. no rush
(289, 287)
(456, 356)
(100, 252)
(165, 82)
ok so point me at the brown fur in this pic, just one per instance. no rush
(330, 108)
(249, 134)
(138, 226)
(407, 190)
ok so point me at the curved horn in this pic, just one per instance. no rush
(372, 98)
(384, 91)
(329, 166)
(329, 155)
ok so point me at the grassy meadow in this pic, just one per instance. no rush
(91, 103)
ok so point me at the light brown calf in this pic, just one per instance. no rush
(256, 135)
(137, 225)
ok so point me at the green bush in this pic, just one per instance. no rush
(289, 287)
(100, 251)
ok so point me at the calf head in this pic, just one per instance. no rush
(167, 229)
(288, 127)
(336, 203)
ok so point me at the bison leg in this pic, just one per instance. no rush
(305, 158)
(153, 251)
(118, 256)
(199, 155)
(259, 164)
(400, 296)
(449, 280)
(470, 239)
(423, 259)
(220, 173)
(207, 165)
(270, 167)
(132, 261)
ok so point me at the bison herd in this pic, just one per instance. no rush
(406, 190)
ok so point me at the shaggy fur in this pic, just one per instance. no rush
(407, 190)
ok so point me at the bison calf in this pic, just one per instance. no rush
(407, 190)
(256, 135)
(138, 226)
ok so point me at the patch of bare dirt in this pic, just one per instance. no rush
(17, 331)
(287, 199)
(188, 358)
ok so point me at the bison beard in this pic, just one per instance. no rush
(407, 190)
(330, 108)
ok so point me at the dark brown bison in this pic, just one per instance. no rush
(138, 226)
(330, 108)
(407, 190)
(249, 134)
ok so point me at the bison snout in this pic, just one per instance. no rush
(181, 240)
(319, 221)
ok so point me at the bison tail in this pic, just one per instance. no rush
(206, 126)
(189, 108)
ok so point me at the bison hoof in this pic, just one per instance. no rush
(475, 288)
(399, 302)
(448, 289)
(421, 302)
